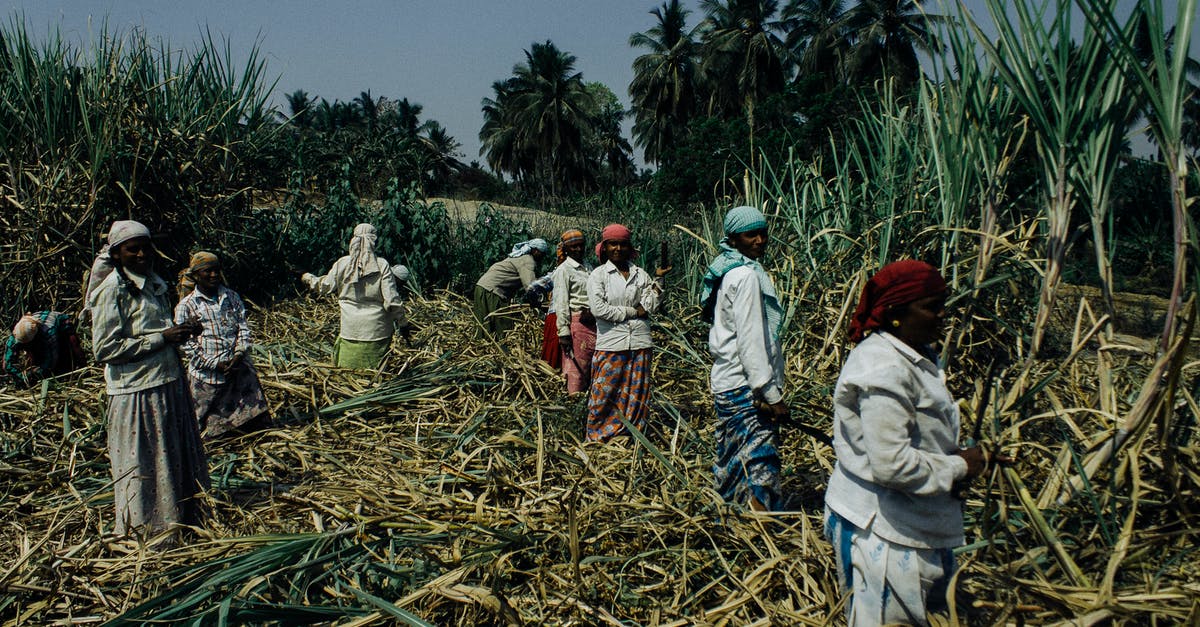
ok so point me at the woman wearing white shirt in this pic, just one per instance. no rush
(622, 297)
(369, 302)
(891, 513)
(747, 374)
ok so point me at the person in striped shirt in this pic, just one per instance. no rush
(225, 387)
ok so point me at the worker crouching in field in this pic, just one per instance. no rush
(42, 344)
(502, 280)
(158, 465)
(371, 310)
(225, 388)
(891, 513)
(747, 375)
(622, 297)
(574, 324)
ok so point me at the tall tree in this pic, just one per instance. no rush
(543, 111)
(300, 105)
(816, 38)
(664, 82)
(886, 36)
(741, 56)
(369, 108)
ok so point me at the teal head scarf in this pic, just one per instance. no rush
(741, 219)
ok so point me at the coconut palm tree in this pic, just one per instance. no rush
(741, 56)
(664, 82)
(300, 105)
(408, 117)
(369, 108)
(816, 38)
(541, 112)
(886, 36)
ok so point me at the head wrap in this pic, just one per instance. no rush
(570, 236)
(520, 249)
(740, 220)
(744, 218)
(615, 233)
(401, 272)
(362, 252)
(896, 284)
(26, 329)
(199, 261)
(124, 230)
(102, 266)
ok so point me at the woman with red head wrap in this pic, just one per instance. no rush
(891, 513)
(622, 297)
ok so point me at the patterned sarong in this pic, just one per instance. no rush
(888, 583)
(747, 460)
(620, 387)
(221, 407)
(157, 461)
(578, 367)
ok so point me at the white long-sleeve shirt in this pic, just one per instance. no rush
(895, 431)
(570, 292)
(370, 306)
(743, 352)
(613, 300)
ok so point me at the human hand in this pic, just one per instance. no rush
(406, 332)
(661, 272)
(178, 333)
(564, 345)
(642, 313)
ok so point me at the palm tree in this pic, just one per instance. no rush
(741, 58)
(540, 113)
(886, 36)
(369, 108)
(300, 105)
(443, 151)
(664, 83)
(816, 38)
(498, 136)
(408, 116)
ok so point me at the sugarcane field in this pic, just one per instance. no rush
(817, 313)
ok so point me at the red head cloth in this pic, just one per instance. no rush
(614, 233)
(898, 283)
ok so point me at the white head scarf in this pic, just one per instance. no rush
(362, 252)
(524, 248)
(401, 272)
(26, 329)
(124, 230)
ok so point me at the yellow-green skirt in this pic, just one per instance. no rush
(360, 355)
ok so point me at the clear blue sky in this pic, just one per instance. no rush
(443, 54)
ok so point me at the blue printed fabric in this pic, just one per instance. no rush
(747, 458)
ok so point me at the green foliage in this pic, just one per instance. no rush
(125, 128)
(416, 235)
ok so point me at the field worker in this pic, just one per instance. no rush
(503, 280)
(225, 388)
(574, 324)
(747, 374)
(42, 344)
(371, 311)
(622, 297)
(158, 465)
(891, 514)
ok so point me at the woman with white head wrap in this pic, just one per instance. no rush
(505, 278)
(43, 344)
(369, 301)
(157, 461)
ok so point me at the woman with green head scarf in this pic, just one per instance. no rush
(747, 373)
